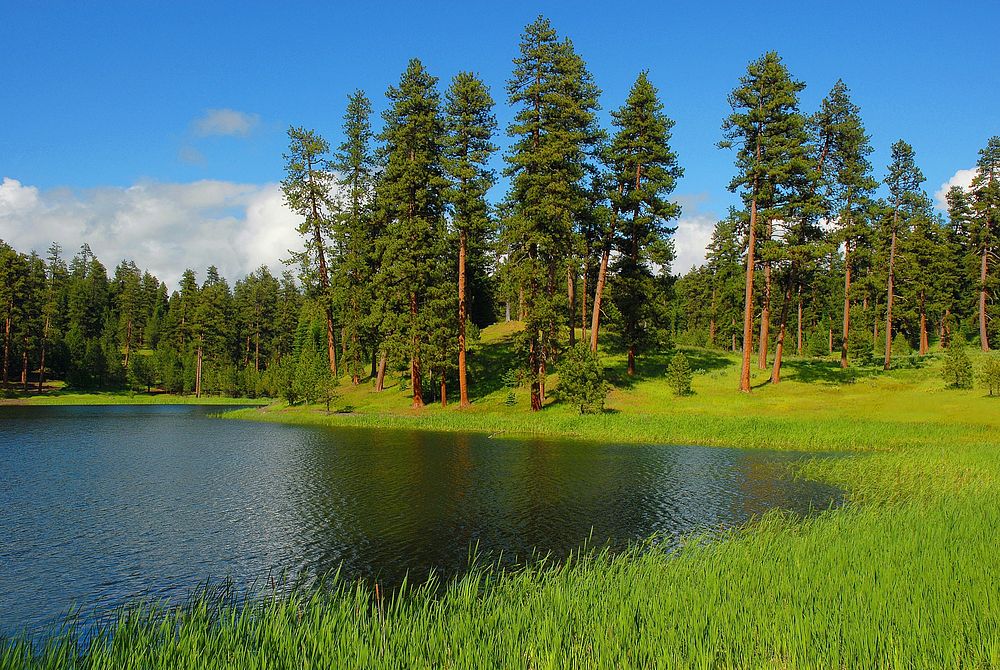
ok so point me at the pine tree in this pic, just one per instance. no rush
(643, 173)
(957, 370)
(555, 133)
(844, 149)
(903, 181)
(470, 125)
(411, 203)
(354, 231)
(679, 374)
(307, 189)
(764, 128)
(985, 190)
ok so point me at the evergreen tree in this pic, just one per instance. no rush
(679, 374)
(355, 232)
(581, 380)
(903, 181)
(411, 203)
(843, 159)
(765, 129)
(957, 371)
(307, 189)
(555, 133)
(985, 190)
(643, 173)
(470, 125)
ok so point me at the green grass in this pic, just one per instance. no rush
(123, 398)
(905, 575)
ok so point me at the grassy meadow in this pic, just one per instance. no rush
(905, 575)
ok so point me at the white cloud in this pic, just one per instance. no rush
(163, 227)
(694, 231)
(225, 122)
(961, 178)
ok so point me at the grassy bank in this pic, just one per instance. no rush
(904, 576)
(121, 398)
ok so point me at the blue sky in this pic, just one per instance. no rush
(101, 99)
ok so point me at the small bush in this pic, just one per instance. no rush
(989, 376)
(511, 380)
(679, 374)
(581, 380)
(902, 352)
(957, 370)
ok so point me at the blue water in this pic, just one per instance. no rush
(101, 505)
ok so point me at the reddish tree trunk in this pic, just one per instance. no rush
(711, 323)
(444, 392)
(571, 297)
(779, 349)
(415, 369)
(889, 299)
(798, 326)
(463, 389)
(41, 361)
(380, 376)
(6, 345)
(24, 368)
(765, 318)
(197, 373)
(847, 304)
(748, 299)
(984, 341)
(602, 274)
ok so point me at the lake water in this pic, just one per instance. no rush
(99, 505)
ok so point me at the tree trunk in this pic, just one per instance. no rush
(463, 389)
(507, 311)
(711, 323)
(444, 392)
(256, 349)
(197, 373)
(602, 274)
(765, 318)
(6, 346)
(380, 375)
(128, 341)
(415, 369)
(847, 303)
(24, 368)
(41, 361)
(889, 298)
(798, 326)
(330, 345)
(779, 349)
(924, 344)
(571, 297)
(984, 342)
(748, 299)
(583, 298)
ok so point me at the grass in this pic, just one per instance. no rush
(63, 397)
(903, 576)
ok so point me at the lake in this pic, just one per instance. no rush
(100, 505)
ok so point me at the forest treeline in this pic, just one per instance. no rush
(405, 257)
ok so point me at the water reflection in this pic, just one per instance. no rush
(102, 504)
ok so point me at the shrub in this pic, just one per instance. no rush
(989, 376)
(511, 380)
(679, 374)
(581, 379)
(902, 352)
(957, 370)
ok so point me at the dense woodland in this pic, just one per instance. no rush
(405, 257)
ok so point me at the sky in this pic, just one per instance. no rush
(155, 131)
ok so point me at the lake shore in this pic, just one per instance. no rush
(122, 398)
(903, 575)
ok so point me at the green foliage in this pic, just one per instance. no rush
(957, 371)
(511, 379)
(581, 380)
(989, 375)
(679, 374)
(902, 351)
(141, 372)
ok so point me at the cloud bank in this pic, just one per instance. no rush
(163, 227)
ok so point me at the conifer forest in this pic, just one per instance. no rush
(405, 256)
